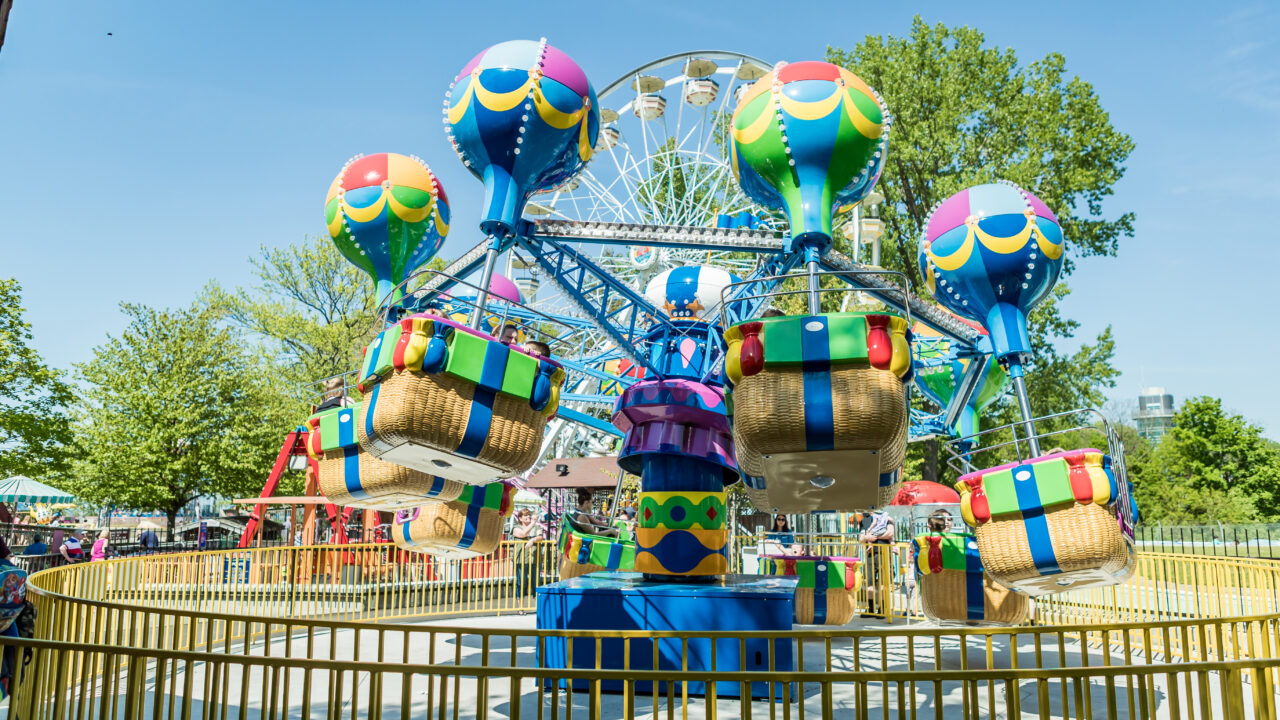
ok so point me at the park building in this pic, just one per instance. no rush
(1155, 413)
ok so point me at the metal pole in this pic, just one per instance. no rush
(1024, 403)
(811, 258)
(815, 307)
(490, 259)
(857, 231)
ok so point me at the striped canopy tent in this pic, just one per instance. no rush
(20, 489)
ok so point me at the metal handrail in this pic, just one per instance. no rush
(904, 292)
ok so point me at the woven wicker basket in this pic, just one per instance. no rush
(869, 413)
(751, 462)
(887, 493)
(387, 486)
(432, 410)
(943, 597)
(840, 606)
(572, 569)
(438, 530)
(1084, 537)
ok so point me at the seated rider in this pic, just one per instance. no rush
(334, 395)
(772, 312)
(537, 348)
(585, 517)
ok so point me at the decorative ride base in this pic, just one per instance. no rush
(625, 601)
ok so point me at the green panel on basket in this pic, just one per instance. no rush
(519, 376)
(807, 574)
(781, 338)
(330, 432)
(952, 547)
(847, 338)
(1002, 498)
(1053, 482)
(466, 356)
(387, 352)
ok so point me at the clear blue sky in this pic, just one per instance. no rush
(139, 166)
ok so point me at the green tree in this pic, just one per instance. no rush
(966, 113)
(1213, 466)
(34, 426)
(173, 409)
(311, 310)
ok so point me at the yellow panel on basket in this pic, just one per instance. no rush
(856, 475)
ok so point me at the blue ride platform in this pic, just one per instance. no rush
(626, 601)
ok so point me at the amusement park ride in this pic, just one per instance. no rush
(668, 221)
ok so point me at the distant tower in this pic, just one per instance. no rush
(1155, 413)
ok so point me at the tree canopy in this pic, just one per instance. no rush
(34, 425)
(966, 113)
(174, 408)
(312, 310)
(1213, 466)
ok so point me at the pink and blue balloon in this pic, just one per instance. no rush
(808, 137)
(388, 215)
(523, 117)
(992, 253)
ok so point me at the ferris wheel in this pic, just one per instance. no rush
(662, 158)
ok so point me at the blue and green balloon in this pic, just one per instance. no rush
(808, 137)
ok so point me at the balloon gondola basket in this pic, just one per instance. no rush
(820, 406)
(448, 400)
(467, 527)
(826, 587)
(1059, 521)
(954, 588)
(350, 477)
(581, 551)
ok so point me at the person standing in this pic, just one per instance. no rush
(101, 546)
(784, 537)
(148, 540)
(527, 533)
(877, 536)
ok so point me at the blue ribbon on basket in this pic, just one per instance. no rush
(820, 581)
(819, 417)
(1033, 519)
(975, 598)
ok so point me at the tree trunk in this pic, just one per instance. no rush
(172, 514)
(5, 7)
(929, 471)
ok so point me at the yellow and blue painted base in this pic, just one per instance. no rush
(626, 601)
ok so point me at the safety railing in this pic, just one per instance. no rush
(303, 631)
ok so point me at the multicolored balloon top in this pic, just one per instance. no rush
(991, 253)
(691, 292)
(807, 137)
(938, 372)
(388, 215)
(523, 118)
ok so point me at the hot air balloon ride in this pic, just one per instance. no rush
(388, 215)
(523, 118)
(954, 588)
(806, 138)
(1047, 522)
(820, 400)
(992, 253)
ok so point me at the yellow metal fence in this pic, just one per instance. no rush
(303, 632)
